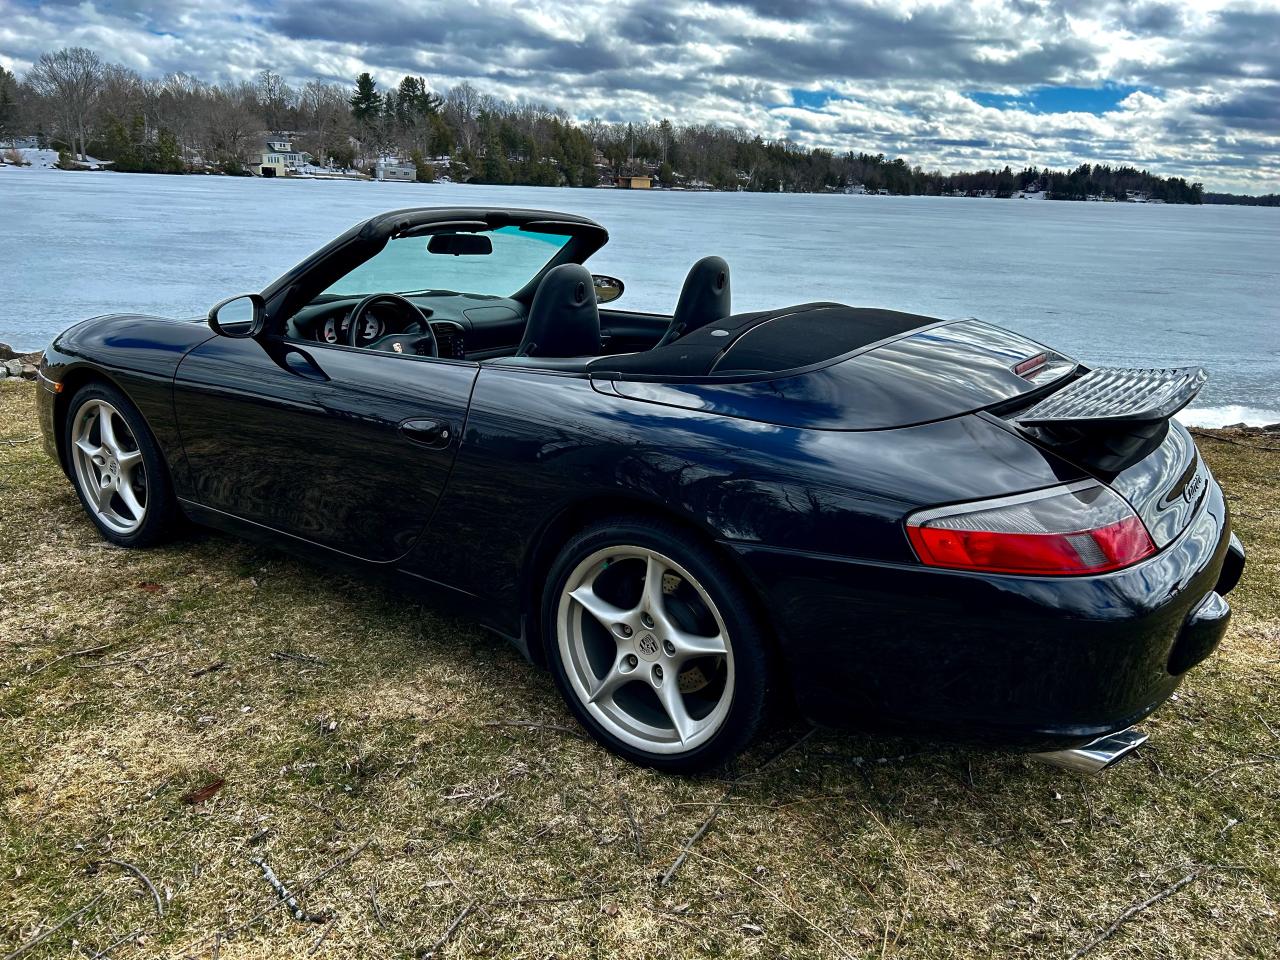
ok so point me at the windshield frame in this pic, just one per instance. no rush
(522, 253)
(297, 287)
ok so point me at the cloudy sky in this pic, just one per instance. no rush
(1189, 88)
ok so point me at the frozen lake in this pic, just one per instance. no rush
(1120, 284)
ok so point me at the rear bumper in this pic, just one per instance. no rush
(1040, 663)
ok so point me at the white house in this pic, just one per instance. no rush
(390, 168)
(279, 158)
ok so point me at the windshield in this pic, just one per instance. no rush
(492, 262)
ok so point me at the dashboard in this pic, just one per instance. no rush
(466, 326)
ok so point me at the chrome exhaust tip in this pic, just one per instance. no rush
(1095, 757)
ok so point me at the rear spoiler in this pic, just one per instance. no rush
(1113, 399)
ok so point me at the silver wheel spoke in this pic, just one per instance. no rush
(128, 459)
(672, 701)
(107, 430)
(100, 494)
(87, 447)
(610, 683)
(601, 609)
(130, 499)
(690, 645)
(653, 599)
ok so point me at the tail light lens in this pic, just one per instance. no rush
(1082, 527)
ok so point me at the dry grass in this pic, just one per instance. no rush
(526, 833)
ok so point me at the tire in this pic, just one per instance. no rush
(642, 623)
(121, 477)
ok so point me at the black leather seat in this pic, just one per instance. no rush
(704, 299)
(563, 321)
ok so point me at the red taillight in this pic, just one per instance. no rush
(1079, 528)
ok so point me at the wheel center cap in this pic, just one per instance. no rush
(648, 646)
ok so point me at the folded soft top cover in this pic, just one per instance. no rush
(767, 341)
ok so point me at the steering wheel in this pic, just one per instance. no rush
(423, 344)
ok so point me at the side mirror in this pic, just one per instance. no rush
(239, 318)
(608, 289)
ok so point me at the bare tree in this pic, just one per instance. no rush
(325, 110)
(462, 105)
(275, 97)
(70, 82)
(231, 123)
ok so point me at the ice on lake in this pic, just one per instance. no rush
(1118, 284)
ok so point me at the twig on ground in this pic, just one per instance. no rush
(449, 931)
(133, 868)
(321, 939)
(218, 665)
(635, 827)
(106, 951)
(125, 661)
(88, 651)
(1238, 443)
(1270, 729)
(1137, 908)
(306, 658)
(525, 901)
(287, 898)
(782, 903)
(719, 805)
(1252, 762)
(536, 725)
(218, 936)
(41, 938)
(377, 910)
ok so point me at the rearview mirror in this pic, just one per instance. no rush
(239, 318)
(608, 289)
(460, 244)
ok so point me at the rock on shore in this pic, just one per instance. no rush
(14, 364)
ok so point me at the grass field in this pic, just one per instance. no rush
(355, 735)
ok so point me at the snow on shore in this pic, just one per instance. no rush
(1214, 417)
(48, 160)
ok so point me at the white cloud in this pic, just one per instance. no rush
(1205, 76)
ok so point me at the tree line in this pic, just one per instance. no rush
(75, 101)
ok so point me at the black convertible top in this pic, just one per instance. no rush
(768, 341)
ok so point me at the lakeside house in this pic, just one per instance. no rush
(279, 158)
(637, 182)
(393, 168)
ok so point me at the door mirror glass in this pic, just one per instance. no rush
(239, 317)
(608, 289)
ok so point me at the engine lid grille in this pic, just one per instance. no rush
(1112, 396)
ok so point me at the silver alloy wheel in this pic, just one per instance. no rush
(645, 649)
(109, 468)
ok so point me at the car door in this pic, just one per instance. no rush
(342, 447)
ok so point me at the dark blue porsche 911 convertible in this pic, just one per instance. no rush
(920, 526)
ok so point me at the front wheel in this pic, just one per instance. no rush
(117, 468)
(654, 647)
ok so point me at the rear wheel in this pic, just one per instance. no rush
(117, 468)
(653, 645)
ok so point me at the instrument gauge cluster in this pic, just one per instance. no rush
(337, 329)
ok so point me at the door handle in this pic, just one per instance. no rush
(436, 434)
(303, 364)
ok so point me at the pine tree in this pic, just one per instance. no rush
(366, 103)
